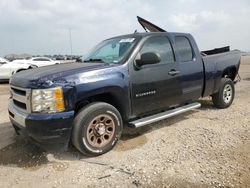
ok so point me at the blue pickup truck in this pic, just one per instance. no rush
(133, 80)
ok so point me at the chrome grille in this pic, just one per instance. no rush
(21, 97)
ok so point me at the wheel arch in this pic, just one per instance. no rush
(19, 70)
(106, 97)
(24, 68)
(229, 72)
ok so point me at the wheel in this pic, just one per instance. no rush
(97, 128)
(225, 96)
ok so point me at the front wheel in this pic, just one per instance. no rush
(225, 96)
(97, 128)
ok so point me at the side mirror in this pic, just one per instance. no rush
(147, 59)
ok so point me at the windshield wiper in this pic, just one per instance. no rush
(93, 60)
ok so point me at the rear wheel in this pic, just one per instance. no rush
(225, 96)
(97, 128)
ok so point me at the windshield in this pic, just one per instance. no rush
(111, 50)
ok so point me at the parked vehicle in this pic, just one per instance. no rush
(38, 61)
(131, 80)
(7, 69)
(3, 61)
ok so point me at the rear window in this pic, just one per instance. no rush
(184, 49)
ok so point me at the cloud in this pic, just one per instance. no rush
(196, 21)
(42, 26)
(187, 1)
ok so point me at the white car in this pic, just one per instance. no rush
(3, 61)
(38, 61)
(7, 69)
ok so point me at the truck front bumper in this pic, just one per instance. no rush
(49, 131)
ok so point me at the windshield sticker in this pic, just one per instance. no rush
(127, 40)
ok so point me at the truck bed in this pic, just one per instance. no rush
(214, 66)
(216, 51)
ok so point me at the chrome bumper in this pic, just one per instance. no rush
(17, 116)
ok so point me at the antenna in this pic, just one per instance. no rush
(70, 41)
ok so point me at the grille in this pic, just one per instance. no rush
(21, 98)
(11, 114)
(20, 104)
(20, 92)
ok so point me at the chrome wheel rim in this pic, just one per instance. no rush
(227, 93)
(100, 131)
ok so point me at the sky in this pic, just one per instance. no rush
(43, 26)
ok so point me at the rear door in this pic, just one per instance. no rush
(191, 68)
(157, 86)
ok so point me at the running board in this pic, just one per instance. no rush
(163, 115)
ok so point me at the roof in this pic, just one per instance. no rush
(145, 34)
(152, 28)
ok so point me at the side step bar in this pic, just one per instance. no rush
(163, 115)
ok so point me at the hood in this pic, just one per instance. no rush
(20, 61)
(149, 26)
(13, 65)
(3, 60)
(43, 76)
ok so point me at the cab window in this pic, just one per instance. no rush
(184, 49)
(160, 45)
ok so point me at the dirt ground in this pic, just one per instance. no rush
(205, 147)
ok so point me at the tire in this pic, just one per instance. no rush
(225, 96)
(97, 128)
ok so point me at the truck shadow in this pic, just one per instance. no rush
(130, 133)
(24, 154)
(16, 150)
(135, 138)
(206, 104)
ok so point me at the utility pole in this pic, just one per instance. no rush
(70, 40)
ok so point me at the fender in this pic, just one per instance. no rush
(224, 66)
(109, 87)
(31, 65)
(25, 67)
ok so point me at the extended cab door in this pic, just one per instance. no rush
(191, 67)
(156, 86)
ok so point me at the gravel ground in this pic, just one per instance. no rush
(205, 147)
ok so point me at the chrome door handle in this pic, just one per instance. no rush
(173, 72)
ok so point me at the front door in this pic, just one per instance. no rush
(157, 86)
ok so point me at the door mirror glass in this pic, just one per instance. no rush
(148, 58)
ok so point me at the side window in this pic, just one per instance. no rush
(41, 59)
(184, 49)
(160, 45)
(38, 59)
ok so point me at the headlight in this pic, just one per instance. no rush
(47, 100)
